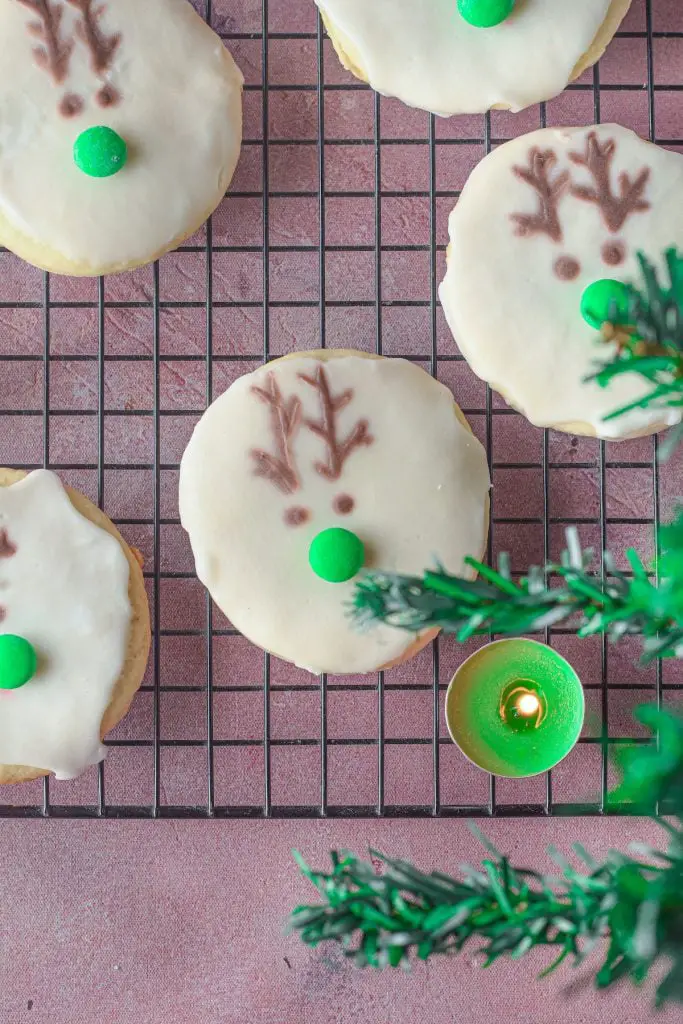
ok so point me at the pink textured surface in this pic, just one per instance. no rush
(173, 921)
(181, 923)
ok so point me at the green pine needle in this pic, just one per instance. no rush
(652, 344)
(634, 906)
(616, 604)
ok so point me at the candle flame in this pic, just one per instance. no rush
(528, 704)
(522, 706)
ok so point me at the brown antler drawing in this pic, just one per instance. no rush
(550, 191)
(102, 47)
(615, 209)
(54, 53)
(285, 417)
(7, 548)
(326, 427)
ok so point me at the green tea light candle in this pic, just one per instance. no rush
(515, 708)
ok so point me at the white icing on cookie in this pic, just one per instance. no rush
(65, 590)
(413, 485)
(527, 237)
(153, 72)
(424, 53)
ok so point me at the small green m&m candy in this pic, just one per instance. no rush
(336, 555)
(18, 661)
(602, 299)
(99, 152)
(485, 13)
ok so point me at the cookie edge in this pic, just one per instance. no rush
(617, 11)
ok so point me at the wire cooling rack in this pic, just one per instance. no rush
(333, 233)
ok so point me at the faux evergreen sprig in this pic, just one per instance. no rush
(648, 328)
(617, 605)
(632, 902)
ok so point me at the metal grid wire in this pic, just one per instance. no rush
(219, 729)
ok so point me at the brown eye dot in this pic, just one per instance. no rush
(108, 96)
(71, 105)
(567, 268)
(297, 516)
(613, 253)
(343, 504)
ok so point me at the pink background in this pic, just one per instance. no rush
(181, 923)
(189, 913)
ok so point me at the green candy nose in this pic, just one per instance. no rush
(99, 152)
(604, 300)
(485, 13)
(18, 662)
(336, 555)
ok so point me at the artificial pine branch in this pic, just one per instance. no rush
(635, 906)
(649, 335)
(617, 605)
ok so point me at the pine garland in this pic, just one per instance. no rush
(634, 903)
(617, 605)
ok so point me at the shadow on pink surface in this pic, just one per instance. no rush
(171, 923)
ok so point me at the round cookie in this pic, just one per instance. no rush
(540, 219)
(305, 446)
(161, 81)
(424, 52)
(72, 588)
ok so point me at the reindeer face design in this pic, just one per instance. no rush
(552, 186)
(540, 219)
(140, 92)
(55, 46)
(310, 468)
(286, 418)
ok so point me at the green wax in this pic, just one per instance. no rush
(487, 700)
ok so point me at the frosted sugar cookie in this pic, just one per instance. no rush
(312, 468)
(539, 220)
(74, 628)
(120, 129)
(467, 57)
